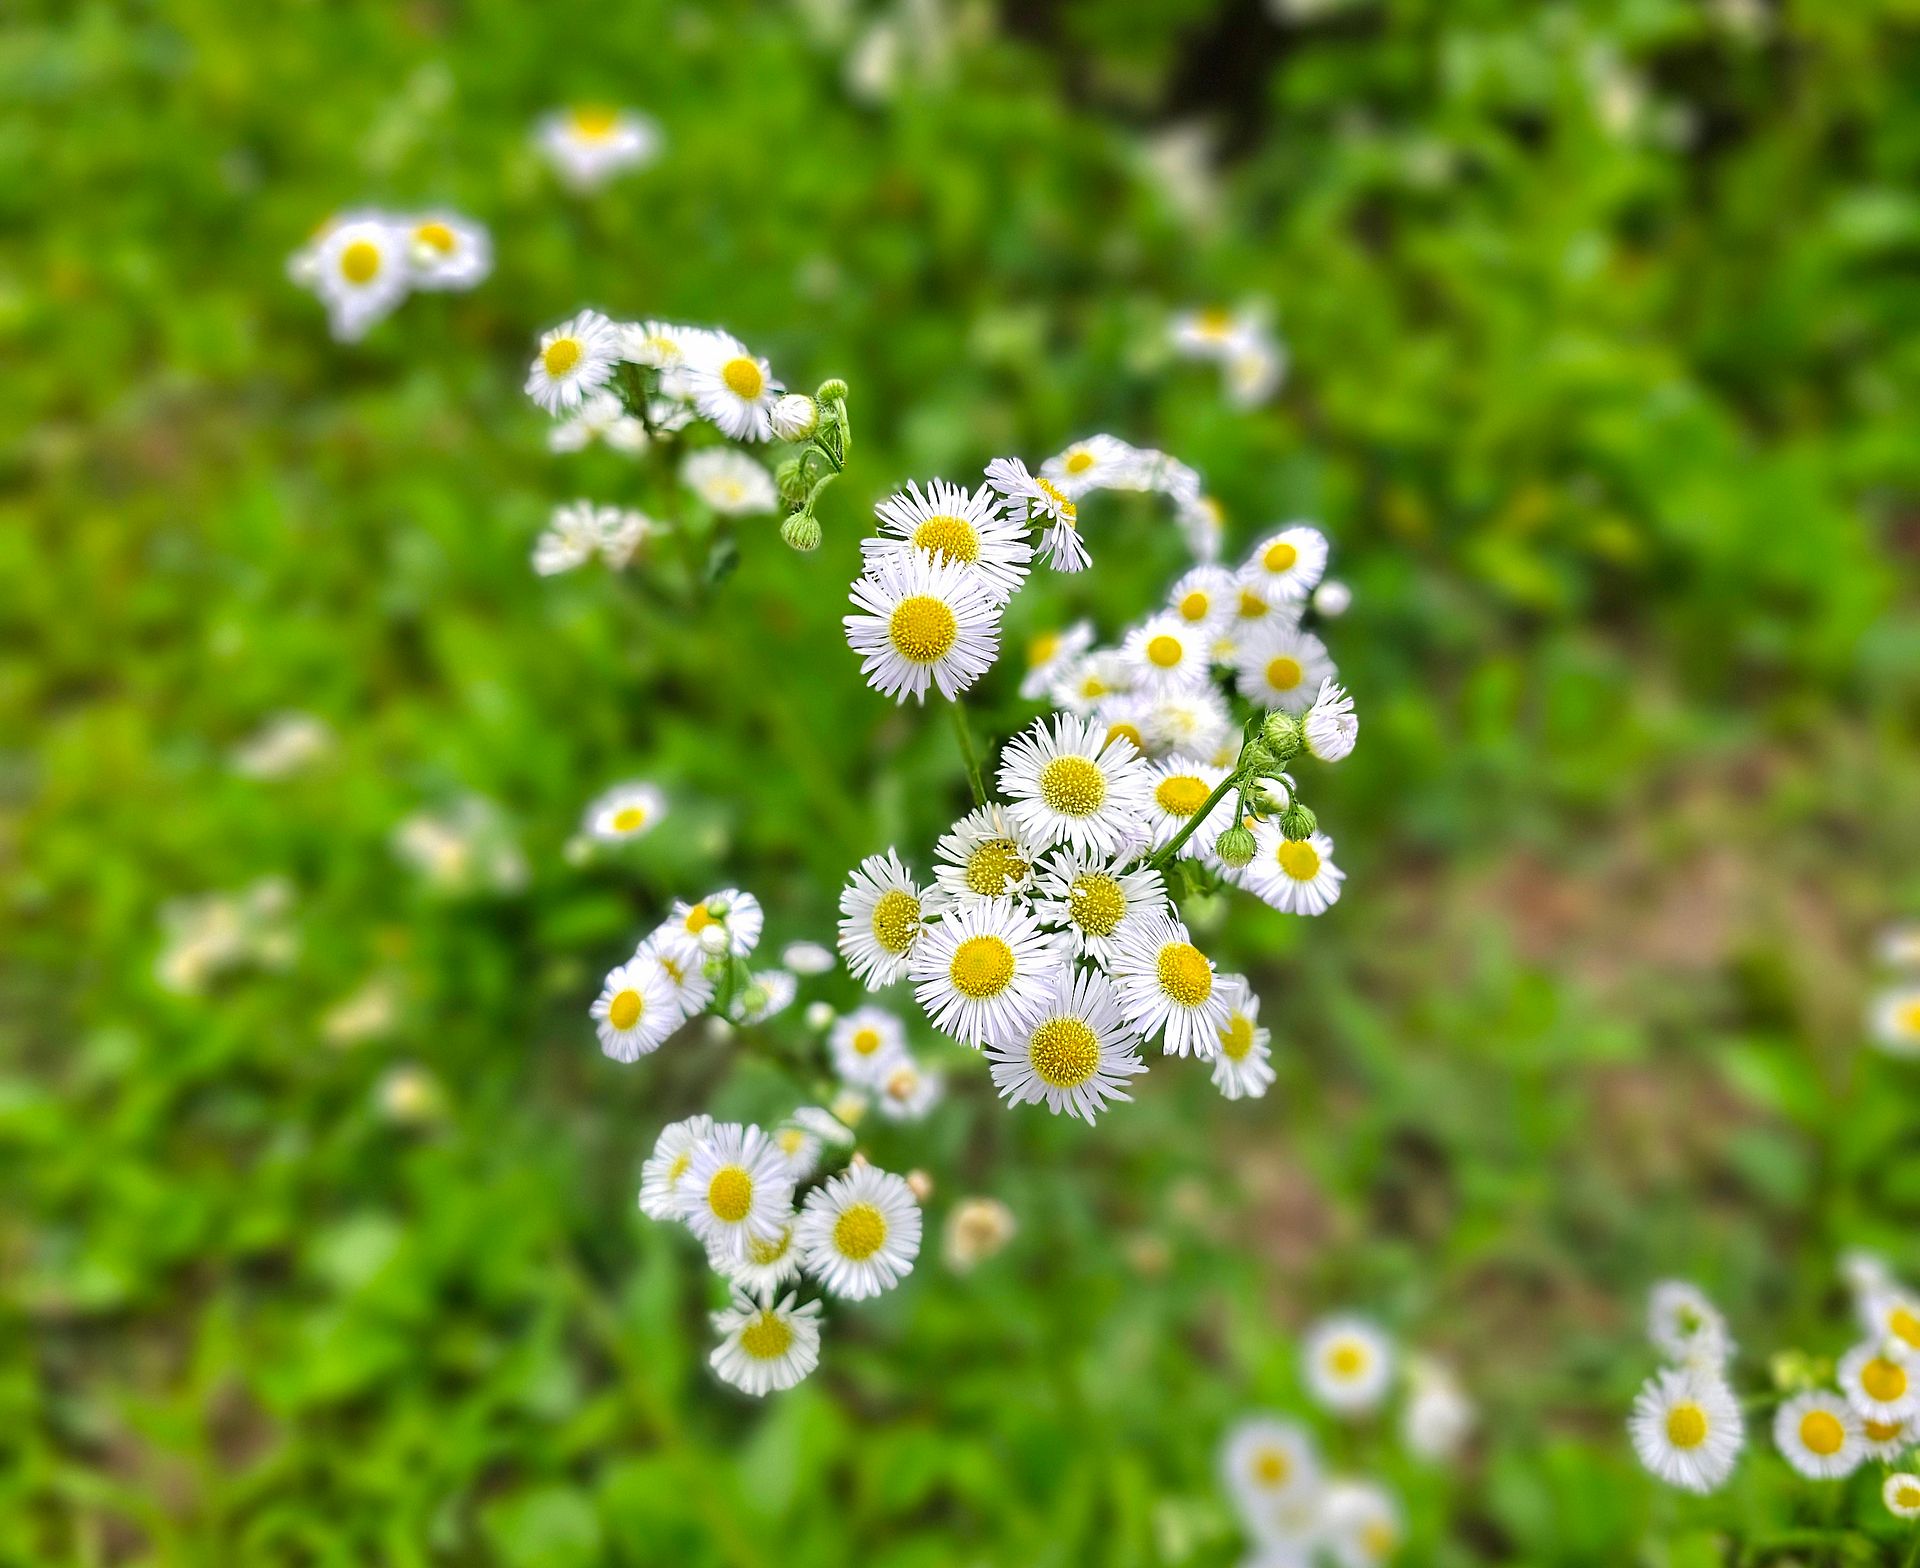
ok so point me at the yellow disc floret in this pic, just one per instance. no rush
(1181, 795)
(1073, 786)
(1686, 1425)
(1165, 651)
(767, 1337)
(624, 1011)
(1299, 859)
(1822, 1432)
(743, 378)
(896, 920)
(994, 864)
(922, 629)
(730, 1193)
(1097, 903)
(1279, 556)
(949, 537)
(560, 356)
(1236, 1040)
(1185, 974)
(1883, 1381)
(435, 236)
(1064, 1052)
(630, 819)
(982, 967)
(860, 1232)
(360, 262)
(1283, 673)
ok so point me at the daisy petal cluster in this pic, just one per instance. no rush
(1252, 360)
(363, 263)
(1686, 1426)
(1893, 1016)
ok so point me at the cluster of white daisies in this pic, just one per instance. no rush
(363, 263)
(1687, 1426)
(1241, 342)
(1894, 1015)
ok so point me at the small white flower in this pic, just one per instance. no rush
(1892, 1313)
(1331, 727)
(1076, 1054)
(282, 746)
(1049, 654)
(1068, 784)
(1878, 1383)
(1167, 987)
(1886, 1440)
(910, 1092)
(576, 359)
(1332, 599)
(1901, 1493)
(1083, 684)
(955, 525)
(1202, 522)
(1896, 1021)
(1169, 654)
(766, 1265)
(672, 1157)
(1097, 901)
(976, 1229)
(1281, 667)
(1438, 1415)
(359, 269)
(447, 251)
(1212, 333)
(1048, 506)
(732, 387)
(766, 1346)
(867, 1044)
(986, 857)
(1295, 876)
(1253, 372)
(1129, 716)
(825, 1125)
(663, 345)
(801, 1148)
(622, 534)
(1686, 1327)
(1194, 723)
(600, 417)
(635, 1012)
(737, 915)
(882, 915)
(1819, 1435)
(1348, 1364)
(1203, 599)
(1180, 787)
(923, 622)
(1266, 1459)
(860, 1232)
(626, 811)
(1243, 1069)
(767, 991)
(984, 972)
(737, 1189)
(590, 144)
(1286, 566)
(1360, 1524)
(678, 955)
(729, 482)
(807, 958)
(795, 417)
(1098, 463)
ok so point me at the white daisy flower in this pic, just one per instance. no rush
(600, 417)
(1254, 610)
(1098, 463)
(767, 992)
(1348, 1364)
(807, 958)
(1686, 1327)
(1203, 600)
(1050, 654)
(635, 1012)
(766, 1345)
(1893, 1314)
(1070, 785)
(1886, 1440)
(1202, 522)
(590, 144)
(1686, 1428)
(729, 482)
(1083, 684)
(733, 388)
(867, 1044)
(910, 1092)
(801, 1148)
(1212, 332)
(626, 811)
(1169, 654)
(984, 972)
(1180, 787)
(737, 1189)
(1896, 1021)
(924, 621)
(1253, 372)
(1265, 1459)
(882, 915)
(1129, 717)
(1901, 1493)
(1281, 667)
(1878, 1384)
(1077, 1054)
(824, 1125)
(359, 269)
(1048, 506)
(676, 951)
(1331, 727)
(623, 532)
(956, 525)
(765, 1266)
(1243, 1069)
(447, 251)
(664, 345)
(1295, 876)
(737, 914)
(1819, 1435)
(1285, 566)
(669, 1163)
(976, 1229)
(986, 857)
(1167, 987)
(1359, 1523)
(576, 359)
(572, 537)
(860, 1232)
(1097, 901)
(1438, 1416)
(1194, 723)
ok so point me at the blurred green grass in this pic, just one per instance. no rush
(1611, 426)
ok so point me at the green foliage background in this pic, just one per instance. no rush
(1610, 416)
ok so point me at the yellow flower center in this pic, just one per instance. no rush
(767, 1337)
(360, 262)
(923, 630)
(1907, 1496)
(1237, 1038)
(765, 1252)
(730, 1193)
(1042, 649)
(1883, 1380)
(982, 967)
(1214, 322)
(1271, 1467)
(1064, 1052)
(1907, 1019)
(1194, 606)
(629, 819)
(1079, 461)
(1251, 606)
(1822, 1432)
(1686, 1426)
(896, 920)
(1883, 1431)
(698, 919)
(1184, 973)
(1299, 859)
(743, 378)
(1073, 786)
(624, 1011)
(1904, 1325)
(993, 865)
(435, 236)
(865, 1041)
(594, 122)
(902, 1084)
(1097, 903)
(1283, 673)
(1278, 556)
(560, 356)
(791, 1140)
(1127, 732)
(949, 537)
(1069, 513)
(1181, 795)
(860, 1232)
(1377, 1540)
(1347, 1360)
(1165, 651)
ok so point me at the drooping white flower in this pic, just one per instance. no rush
(765, 1265)
(600, 417)
(882, 915)
(1076, 1054)
(575, 360)
(1243, 1069)
(1331, 726)
(860, 1232)
(590, 144)
(737, 1189)
(729, 482)
(1348, 1364)
(923, 622)
(1048, 506)
(635, 1011)
(807, 958)
(984, 972)
(1167, 988)
(1068, 784)
(766, 1345)
(677, 954)
(795, 417)
(1819, 1435)
(1438, 1416)
(955, 525)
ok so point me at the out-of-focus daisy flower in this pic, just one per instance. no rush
(282, 746)
(1901, 1493)
(575, 360)
(1686, 1428)
(733, 388)
(1266, 1459)
(623, 534)
(1049, 654)
(956, 525)
(1295, 876)
(1893, 1314)
(1202, 522)
(1076, 1055)
(923, 622)
(1098, 463)
(767, 991)
(600, 417)
(1046, 505)
(1331, 727)
(1242, 1070)
(366, 1014)
(1819, 1435)
(1126, 717)
(1899, 945)
(447, 251)
(1194, 723)
(828, 1126)
(984, 972)
(1332, 599)
(667, 1166)
(1169, 654)
(1203, 600)
(882, 910)
(1097, 900)
(801, 1147)
(410, 1096)
(676, 952)
(1285, 566)
(1281, 667)
(910, 1092)
(1254, 611)
(1867, 1276)
(360, 271)
(1686, 1327)
(976, 1229)
(1069, 785)
(866, 1044)
(664, 345)
(766, 1265)
(1359, 1523)
(1438, 1415)
(1896, 1021)
(635, 1011)
(860, 1232)
(737, 914)
(807, 958)
(570, 540)
(626, 811)
(729, 482)
(1878, 1384)
(1095, 678)
(1167, 987)
(1348, 1364)
(1180, 787)
(1886, 1440)
(463, 849)
(590, 144)
(766, 1345)
(986, 857)
(737, 1189)
(1212, 332)
(1252, 372)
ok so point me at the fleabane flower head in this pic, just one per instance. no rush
(1281, 667)
(575, 360)
(1295, 876)
(1879, 1383)
(765, 1265)
(1348, 1364)
(1331, 726)
(767, 991)
(626, 811)
(1050, 654)
(668, 1165)
(909, 1091)
(1179, 787)
(882, 917)
(635, 1011)
(1242, 1070)
(1893, 1313)
(1128, 716)
(447, 252)
(1253, 371)
(766, 1345)
(360, 270)
(1100, 462)
(732, 387)
(1194, 723)
(860, 1232)
(985, 858)
(1069, 784)
(591, 143)
(1686, 1428)
(677, 953)
(1819, 1435)
(984, 972)
(1202, 522)
(1359, 1524)
(1895, 1020)
(737, 1189)
(1285, 566)
(1265, 1460)
(737, 915)
(1686, 1327)
(801, 1148)
(867, 1044)
(1169, 654)
(1887, 1440)
(663, 345)
(1096, 901)
(1167, 987)
(1077, 1053)
(1202, 600)
(955, 526)
(1901, 1493)
(729, 482)
(601, 417)
(923, 622)
(1438, 1416)
(571, 539)
(1048, 506)
(1213, 332)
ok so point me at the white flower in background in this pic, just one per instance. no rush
(365, 1014)
(986, 857)
(1098, 902)
(664, 345)
(575, 359)
(1878, 1383)
(1899, 945)
(1267, 1460)
(882, 915)
(622, 534)
(766, 1265)
(360, 270)
(737, 1189)
(1295, 876)
(807, 958)
(284, 745)
(1254, 610)
(590, 144)
(1069, 785)
(767, 992)
(600, 417)
(910, 1092)
(1331, 599)
(1127, 717)
(222, 932)
(729, 482)
(1047, 506)
(955, 525)
(1093, 679)
(1686, 1428)
(626, 811)
(984, 972)
(410, 1096)
(1285, 566)
(825, 1125)
(867, 1044)
(1167, 988)
(462, 850)
(1050, 654)
(976, 1229)
(672, 1158)
(1869, 1278)
(1439, 1416)
(1180, 787)
(923, 622)
(1168, 654)
(635, 1012)
(766, 1345)
(1331, 728)
(860, 1232)
(801, 1148)
(1901, 1493)
(733, 387)
(1281, 667)
(676, 952)
(1253, 373)
(1242, 1070)
(1076, 1055)
(447, 251)
(1359, 1523)
(1819, 1435)
(1886, 1440)
(1203, 599)
(1196, 723)
(1896, 1021)
(1348, 1364)
(1098, 463)
(1212, 333)
(737, 914)
(1686, 1327)
(1202, 522)
(571, 539)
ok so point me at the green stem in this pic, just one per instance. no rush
(964, 734)
(1163, 857)
(1913, 1551)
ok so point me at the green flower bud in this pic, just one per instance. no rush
(832, 391)
(1281, 734)
(1236, 846)
(1256, 759)
(790, 479)
(801, 532)
(1298, 822)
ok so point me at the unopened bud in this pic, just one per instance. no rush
(790, 479)
(920, 1184)
(818, 1015)
(795, 417)
(1257, 759)
(1236, 846)
(1281, 735)
(801, 532)
(1298, 822)
(713, 939)
(832, 391)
